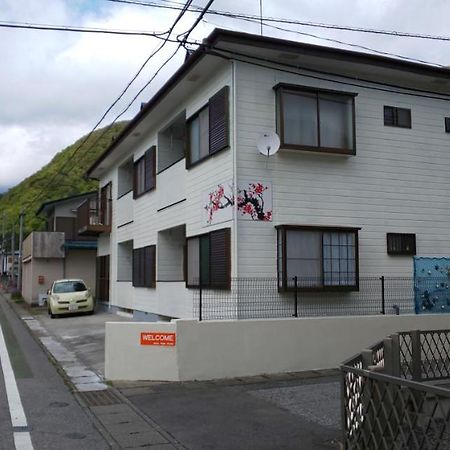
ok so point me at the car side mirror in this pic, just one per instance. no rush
(48, 292)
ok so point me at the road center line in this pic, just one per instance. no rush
(22, 440)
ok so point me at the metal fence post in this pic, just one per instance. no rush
(295, 296)
(383, 302)
(200, 297)
(416, 351)
(396, 364)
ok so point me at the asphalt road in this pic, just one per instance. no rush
(298, 411)
(55, 419)
(262, 413)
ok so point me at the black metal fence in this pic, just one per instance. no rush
(385, 402)
(251, 298)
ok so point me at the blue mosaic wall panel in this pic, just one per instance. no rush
(431, 285)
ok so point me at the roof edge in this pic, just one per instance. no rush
(219, 34)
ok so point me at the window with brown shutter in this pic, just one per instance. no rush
(208, 129)
(208, 260)
(105, 204)
(401, 243)
(144, 173)
(144, 266)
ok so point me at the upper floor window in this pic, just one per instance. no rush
(125, 178)
(397, 117)
(144, 173)
(320, 257)
(172, 143)
(447, 124)
(316, 120)
(208, 129)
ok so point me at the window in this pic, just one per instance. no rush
(447, 124)
(172, 143)
(208, 129)
(208, 259)
(105, 205)
(125, 178)
(316, 120)
(401, 243)
(319, 257)
(397, 117)
(144, 174)
(144, 268)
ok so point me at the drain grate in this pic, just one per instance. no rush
(99, 398)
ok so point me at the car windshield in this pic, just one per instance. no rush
(69, 286)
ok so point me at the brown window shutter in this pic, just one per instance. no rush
(219, 121)
(105, 197)
(135, 182)
(220, 259)
(150, 168)
(149, 265)
(136, 281)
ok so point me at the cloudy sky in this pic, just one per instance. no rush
(55, 86)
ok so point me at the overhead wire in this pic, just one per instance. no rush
(77, 29)
(175, 5)
(84, 140)
(321, 75)
(337, 41)
(182, 39)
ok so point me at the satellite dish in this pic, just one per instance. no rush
(268, 143)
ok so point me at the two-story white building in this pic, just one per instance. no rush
(360, 182)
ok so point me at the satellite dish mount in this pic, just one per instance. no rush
(268, 143)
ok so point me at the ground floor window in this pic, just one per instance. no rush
(208, 260)
(320, 257)
(144, 268)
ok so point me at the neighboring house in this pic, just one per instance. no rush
(58, 252)
(359, 185)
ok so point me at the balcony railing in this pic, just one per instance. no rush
(93, 220)
(395, 394)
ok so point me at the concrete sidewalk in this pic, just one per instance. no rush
(285, 411)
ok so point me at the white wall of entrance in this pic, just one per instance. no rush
(191, 350)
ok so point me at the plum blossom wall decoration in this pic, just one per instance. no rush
(254, 201)
(218, 204)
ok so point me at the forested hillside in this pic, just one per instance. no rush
(63, 176)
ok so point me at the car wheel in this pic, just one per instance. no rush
(52, 316)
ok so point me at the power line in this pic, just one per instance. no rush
(323, 76)
(169, 32)
(174, 5)
(77, 29)
(337, 41)
(182, 39)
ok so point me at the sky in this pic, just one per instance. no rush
(55, 86)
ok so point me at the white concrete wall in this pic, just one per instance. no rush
(81, 264)
(222, 349)
(126, 359)
(51, 268)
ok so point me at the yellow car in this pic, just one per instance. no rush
(69, 296)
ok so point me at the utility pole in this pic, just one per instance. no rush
(13, 247)
(3, 267)
(19, 262)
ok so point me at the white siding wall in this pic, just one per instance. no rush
(397, 182)
(169, 299)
